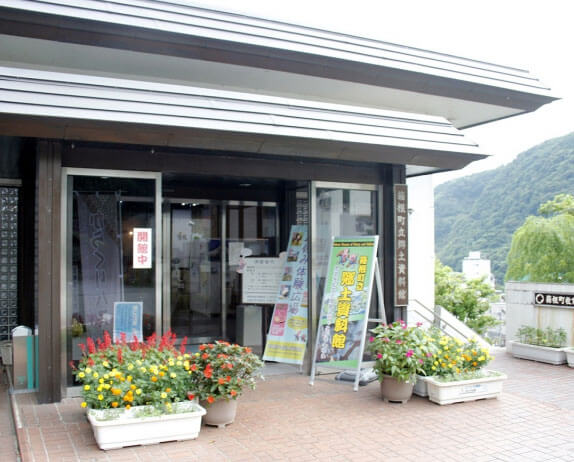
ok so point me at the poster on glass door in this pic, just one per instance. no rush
(287, 336)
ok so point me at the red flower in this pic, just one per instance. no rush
(228, 378)
(208, 372)
(201, 347)
(210, 399)
(194, 367)
(221, 381)
(233, 393)
(91, 345)
(190, 395)
(204, 356)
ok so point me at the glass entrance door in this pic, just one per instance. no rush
(195, 270)
(207, 241)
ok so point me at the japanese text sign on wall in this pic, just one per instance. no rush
(401, 245)
(261, 278)
(287, 337)
(346, 301)
(142, 248)
(559, 300)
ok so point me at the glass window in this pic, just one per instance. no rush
(102, 215)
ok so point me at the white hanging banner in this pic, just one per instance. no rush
(142, 248)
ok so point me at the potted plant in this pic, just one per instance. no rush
(222, 371)
(399, 352)
(460, 375)
(439, 360)
(569, 356)
(543, 345)
(137, 393)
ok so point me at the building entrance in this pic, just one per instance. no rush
(206, 242)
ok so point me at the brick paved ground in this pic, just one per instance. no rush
(286, 419)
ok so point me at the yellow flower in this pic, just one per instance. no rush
(86, 387)
(105, 364)
(129, 378)
(130, 367)
(173, 375)
(446, 347)
(143, 369)
(481, 358)
(84, 404)
(106, 376)
(81, 375)
(132, 387)
(171, 362)
(163, 395)
(88, 370)
(95, 375)
(107, 386)
(100, 388)
(100, 397)
(101, 380)
(179, 358)
(128, 406)
(179, 363)
(433, 368)
(138, 362)
(139, 391)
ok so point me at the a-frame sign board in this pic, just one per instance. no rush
(342, 329)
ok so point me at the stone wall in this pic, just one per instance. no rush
(521, 308)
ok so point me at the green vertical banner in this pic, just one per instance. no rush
(346, 301)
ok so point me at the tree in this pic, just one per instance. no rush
(468, 300)
(542, 249)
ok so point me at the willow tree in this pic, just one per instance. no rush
(542, 249)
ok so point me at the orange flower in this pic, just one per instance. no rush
(204, 356)
(153, 378)
(168, 390)
(210, 399)
(161, 373)
(233, 393)
(194, 367)
(247, 350)
(201, 347)
(208, 372)
(221, 380)
(115, 404)
(228, 378)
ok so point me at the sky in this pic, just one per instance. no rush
(534, 35)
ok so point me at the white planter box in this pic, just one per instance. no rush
(539, 353)
(570, 356)
(129, 430)
(421, 388)
(465, 390)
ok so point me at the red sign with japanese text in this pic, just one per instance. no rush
(142, 248)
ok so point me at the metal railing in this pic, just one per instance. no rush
(448, 323)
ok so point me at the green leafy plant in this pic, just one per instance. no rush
(222, 371)
(399, 351)
(467, 375)
(122, 375)
(549, 337)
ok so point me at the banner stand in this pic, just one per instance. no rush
(380, 319)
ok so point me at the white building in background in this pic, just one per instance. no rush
(474, 267)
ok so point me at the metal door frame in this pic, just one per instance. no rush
(166, 270)
(66, 251)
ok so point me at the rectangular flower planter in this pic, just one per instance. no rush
(569, 356)
(538, 353)
(421, 388)
(120, 428)
(465, 390)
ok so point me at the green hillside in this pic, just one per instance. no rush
(482, 211)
